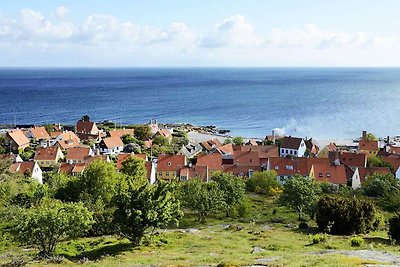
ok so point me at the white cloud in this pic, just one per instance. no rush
(61, 12)
(233, 31)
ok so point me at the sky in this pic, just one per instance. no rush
(182, 33)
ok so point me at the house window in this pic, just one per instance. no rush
(328, 174)
(276, 168)
(251, 160)
(282, 150)
(290, 152)
(320, 174)
(159, 173)
(289, 167)
(183, 178)
(251, 173)
(287, 151)
(295, 152)
(169, 163)
(166, 173)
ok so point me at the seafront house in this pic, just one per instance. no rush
(39, 134)
(28, 168)
(111, 146)
(292, 147)
(48, 157)
(87, 130)
(16, 141)
(66, 140)
(121, 132)
(169, 166)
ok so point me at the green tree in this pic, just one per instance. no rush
(64, 187)
(238, 141)
(140, 207)
(160, 140)
(263, 182)
(379, 162)
(134, 167)
(142, 132)
(300, 193)
(98, 182)
(227, 141)
(127, 139)
(379, 185)
(44, 226)
(233, 189)
(371, 137)
(204, 198)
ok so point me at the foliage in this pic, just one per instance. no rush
(98, 182)
(329, 188)
(2, 148)
(27, 154)
(142, 132)
(134, 168)
(371, 137)
(318, 238)
(394, 228)
(232, 188)
(127, 139)
(377, 161)
(160, 141)
(341, 215)
(227, 141)
(356, 241)
(238, 141)
(142, 206)
(204, 198)
(45, 225)
(64, 187)
(263, 182)
(4, 166)
(379, 185)
(300, 193)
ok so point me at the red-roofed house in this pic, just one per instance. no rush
(48, 156)
(78, 154)
(111, 145)
(292, 146)
(40, 134)
(335, 174)
(28, 168)
(164, 133)
(349, 159)
(87, 127)
(16, 141)
(121, 132)
(169, 166)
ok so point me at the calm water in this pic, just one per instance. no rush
(319, 102)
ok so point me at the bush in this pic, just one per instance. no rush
(394, 228)
(303, 225)
(318, 238)
(356, 241)
(340, 215)
(379, 185)
(263, 183)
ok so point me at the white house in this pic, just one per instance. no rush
(28, 168)
(292, 146)
(111, 145)
(190, 150)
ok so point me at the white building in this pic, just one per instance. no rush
(292, 146)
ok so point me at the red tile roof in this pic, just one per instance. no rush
(213, 161)
(111, 142)
(365, 172)
(225, 149)
(246, 158)
(46, 153)
(211, 144)
(348, 158)
(85, 126)
(195, 172)
(18, 137)
(78, 153)
(330, 173)
(292, 166)
(121, 132)
(171, 162)
(39, 133)
(368, 145)
(22, 167)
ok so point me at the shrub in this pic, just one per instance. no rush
(356, 241)
(303, 225)
(318, 238)
(263, 183)
(344, 215)
(379, 185)
(394, 228)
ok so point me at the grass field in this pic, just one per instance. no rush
(264, 237)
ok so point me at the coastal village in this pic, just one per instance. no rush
(170, 154)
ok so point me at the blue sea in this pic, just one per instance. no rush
(319, 102)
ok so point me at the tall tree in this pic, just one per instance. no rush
(134, 168)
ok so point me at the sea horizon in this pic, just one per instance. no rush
(317, 95)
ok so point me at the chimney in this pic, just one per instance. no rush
(273, 136)
(364, 135)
